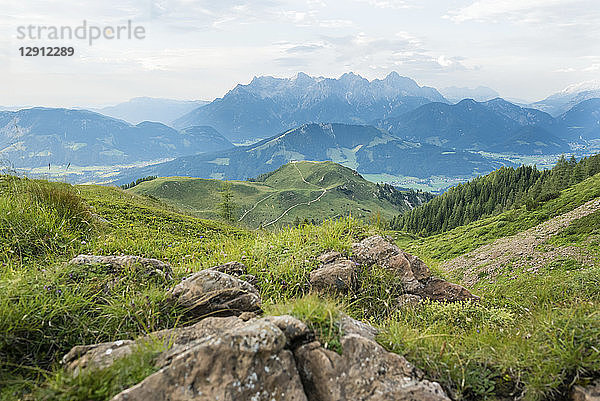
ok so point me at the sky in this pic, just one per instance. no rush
(196, 49)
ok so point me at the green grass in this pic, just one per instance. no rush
(262, 202)
(534, 337)
(38, 218)
(320, 315)
(101, 384)
(531, 337)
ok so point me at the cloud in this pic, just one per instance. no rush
(363, 52)
(393, 4)
(519, 10)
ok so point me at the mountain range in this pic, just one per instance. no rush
(566, 99)
(364, 148)
(39, 136)
(471, 125)
(583, 120)
(267, 105)
(382, 127)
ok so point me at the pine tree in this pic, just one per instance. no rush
(226, 208)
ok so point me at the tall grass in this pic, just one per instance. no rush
(37, 217)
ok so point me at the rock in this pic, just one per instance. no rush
(275, 357)
(338, 276)
(249, 363)
(236, 269)
(364, 371)
(127, 263)
(329, 257)
(96, 356)
(441, 290)
(586, 393)
(296, 332)
(210, 292)
(353, 326)
(415, 275)
(105, 354)
(231, 268)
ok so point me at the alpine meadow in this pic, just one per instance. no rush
(279, 200)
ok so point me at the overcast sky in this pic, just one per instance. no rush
(196, 49)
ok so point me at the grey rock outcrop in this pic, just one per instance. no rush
(249, 363)
(364, 371)
(416, 276)
(275, 357)
(236, 269)
(336, 276)
(210, 292)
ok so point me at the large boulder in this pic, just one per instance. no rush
(336, 276)
(210, 292)
(103, 355)
(127, 264)
(274, 357)
(97, 356)
(414, 273)
(364, 371)
(249, 363)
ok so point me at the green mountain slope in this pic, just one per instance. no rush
(493, 193)
(296, 191)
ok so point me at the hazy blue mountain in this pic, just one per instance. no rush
(364, 148)
(480, 93)
(468, 124)
(531, 140)
(270, 105)
(583, 120)
(561, 102)
(159, 110)
(38, 136)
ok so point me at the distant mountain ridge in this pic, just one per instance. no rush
(270, 105)
(36, 137)
(561, 102)
(479, 94)
(363, 148)
(159, 110)
(583, 120)
(470, 124)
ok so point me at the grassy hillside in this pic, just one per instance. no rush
(532, 336)
(488, 195)
(541, 317)
(296, 191)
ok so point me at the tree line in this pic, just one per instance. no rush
(494, 193)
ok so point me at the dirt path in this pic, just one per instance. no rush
(522, 251)
(255, 205)
(300, 204)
